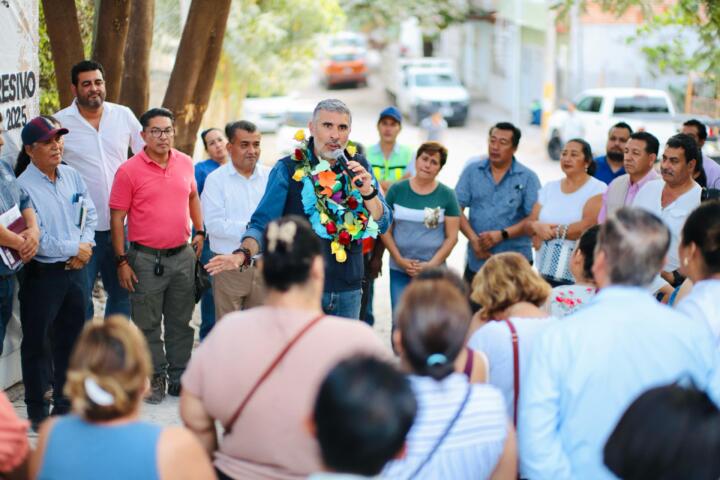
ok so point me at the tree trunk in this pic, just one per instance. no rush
(199, 51)
(135, 91)
(61, 20)
(110, 37)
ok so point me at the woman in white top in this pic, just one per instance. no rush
(461, 430)
(511, 294)
(567, 299)
(700, 262)
(567, 207)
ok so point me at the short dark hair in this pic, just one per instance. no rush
(635, 243)
(652, 144)
(287, 263)
(586, 246)
(621, 125)
(205, 133)
(701, 128)
(689, 146)
(516, 133)
(587, 153)
(85, 66)
(433, 318)
(231, 127)
(156, 112)
(432, 148)
(702, 228)
(363, 412)
(667, 432)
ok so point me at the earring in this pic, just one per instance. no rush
(685, 262)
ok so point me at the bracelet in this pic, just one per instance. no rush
(504, 233)
(247, 256)
(371, 195)
(201, 232)
(121, 260)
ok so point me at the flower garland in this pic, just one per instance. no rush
(335, 209)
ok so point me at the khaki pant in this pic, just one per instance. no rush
(237, 290)
(165, 302)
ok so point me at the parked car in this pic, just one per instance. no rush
(266, 113)
(596, 110)
(346, 66)
(430, 89)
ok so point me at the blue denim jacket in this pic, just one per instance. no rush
(282, 197)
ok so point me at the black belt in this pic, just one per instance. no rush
(48, 266)
(165, 252)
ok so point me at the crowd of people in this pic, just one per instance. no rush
(580, 341)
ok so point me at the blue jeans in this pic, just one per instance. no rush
(7, 288)
(103, 261)
(207, 302)
(399, 281)
(342, 304)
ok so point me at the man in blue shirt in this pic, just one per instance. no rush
(53, 286)
(585, 371)
(500, 193)
(24, 242)
(330, 129)
(610, 166)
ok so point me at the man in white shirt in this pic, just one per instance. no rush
(231, 194)
(101, 134)
(672, 199)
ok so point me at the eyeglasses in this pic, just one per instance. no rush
(157, 133)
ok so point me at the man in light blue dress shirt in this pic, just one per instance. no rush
(585, 371)
(53, 285)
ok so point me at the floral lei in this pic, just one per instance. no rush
(335, 209)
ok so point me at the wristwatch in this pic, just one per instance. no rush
(121, 259)
(505, 234)
(370, 195)
(201, 232)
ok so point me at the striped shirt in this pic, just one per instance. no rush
(475, 443)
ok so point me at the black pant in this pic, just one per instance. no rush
(52, 304)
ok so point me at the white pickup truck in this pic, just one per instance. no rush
(599, 109)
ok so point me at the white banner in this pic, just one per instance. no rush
(19, 71)
(19, 103)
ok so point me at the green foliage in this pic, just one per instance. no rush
(270, 45)
(49, 98)
(433, 15)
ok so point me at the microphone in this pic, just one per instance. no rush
(339, 155)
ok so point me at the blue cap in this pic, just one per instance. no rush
(39, 129)
(391, 112)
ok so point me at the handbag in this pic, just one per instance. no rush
(553, 257)
(202, 281)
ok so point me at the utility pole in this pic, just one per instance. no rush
(550, 68)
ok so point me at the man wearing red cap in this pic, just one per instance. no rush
(52, 287)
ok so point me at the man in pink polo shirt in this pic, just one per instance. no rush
(156, 191)
(641, 152)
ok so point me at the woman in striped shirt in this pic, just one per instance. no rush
(461, 430)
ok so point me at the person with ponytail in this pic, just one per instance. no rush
(700, 262)
(461, 430)
(103, 436)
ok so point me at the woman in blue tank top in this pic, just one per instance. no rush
(104, 437)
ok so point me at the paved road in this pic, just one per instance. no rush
(365, 104)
